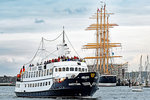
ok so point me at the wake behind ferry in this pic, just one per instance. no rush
(59, 77)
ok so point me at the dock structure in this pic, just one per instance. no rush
(7, 80)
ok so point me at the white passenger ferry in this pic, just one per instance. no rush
(64, 76)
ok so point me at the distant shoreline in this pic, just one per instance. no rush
(7, 84)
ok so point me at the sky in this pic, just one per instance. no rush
(24, 22)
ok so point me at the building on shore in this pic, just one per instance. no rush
(7, 80)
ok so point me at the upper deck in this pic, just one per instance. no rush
(54, 70)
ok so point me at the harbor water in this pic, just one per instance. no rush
(104, 93)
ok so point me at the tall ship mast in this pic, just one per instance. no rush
(63, 76)
(103, 47)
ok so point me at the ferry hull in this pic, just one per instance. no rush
(74, 92)
(75, 87)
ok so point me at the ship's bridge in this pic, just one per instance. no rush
(68, 69)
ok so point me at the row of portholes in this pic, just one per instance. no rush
(37, 84)
(70, 69)
(37, 73)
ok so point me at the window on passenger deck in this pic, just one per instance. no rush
(44, 72)
(35, 84)
(40, 84)
(24, 75)
(46, 83)
(36, 73)
(63, 69)
(76, 69)
(59, 69)
(67, 69)
(85, 70)
(47, 72)
(55, 69)
(39, 73)
(27, 75)
(50, 70)
(31, 74)
(71, 69)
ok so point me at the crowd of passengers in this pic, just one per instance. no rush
(62, 58)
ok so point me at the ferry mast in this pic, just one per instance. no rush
(102, 44)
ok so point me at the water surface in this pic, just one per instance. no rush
(104, 93)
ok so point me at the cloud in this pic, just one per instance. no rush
(39, 21)
(24, 22)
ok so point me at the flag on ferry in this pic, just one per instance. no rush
(23, 69)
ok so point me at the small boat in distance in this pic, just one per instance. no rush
(139, 86)
(147, 79)
(60, 77)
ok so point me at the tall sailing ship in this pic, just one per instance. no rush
(103, 46)
(63, 76)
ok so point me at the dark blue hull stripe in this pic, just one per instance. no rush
(86, 91)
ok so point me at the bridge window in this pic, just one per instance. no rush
(67, 69)
(76, 69)
(71, 69)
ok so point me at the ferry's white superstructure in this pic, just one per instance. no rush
(63, 76)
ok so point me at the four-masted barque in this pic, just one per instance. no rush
(103, 47)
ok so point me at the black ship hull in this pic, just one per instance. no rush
(84, 85)
(107, 81)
